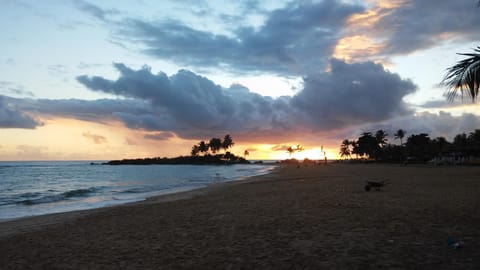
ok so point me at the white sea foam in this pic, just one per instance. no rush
(37, 188)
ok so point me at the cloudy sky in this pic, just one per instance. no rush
(121, 79)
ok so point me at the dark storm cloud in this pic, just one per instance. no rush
(12, 117)
(352, 94)
(422, 24)
(293, 40)
(191, 105)
(187, 103)
(100, 110)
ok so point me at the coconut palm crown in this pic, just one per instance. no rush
(400, 134)
(464, 77)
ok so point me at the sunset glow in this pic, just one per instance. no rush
(353, 47)
(103, 80)
(311, 154)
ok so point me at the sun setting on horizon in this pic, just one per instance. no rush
(156, 78)
(315, 153)
(211, 134)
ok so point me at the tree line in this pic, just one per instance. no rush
(208, 150)
(417, 147)
(213, 146)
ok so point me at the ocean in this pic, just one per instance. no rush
(45, 187)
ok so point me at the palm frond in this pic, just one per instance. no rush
(464, 77)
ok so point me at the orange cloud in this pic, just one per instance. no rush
(388, 4)
(360, 41)
(357, 46)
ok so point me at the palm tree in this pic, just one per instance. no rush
(290, 151)
(203, 147)
(345, 149)
(400, 134)
(195, 150)
(439, 145)
(246, 153)
(227, 142)
(418, 146)
(464, 76)
(299, 148)
(355, 148)
(474, 137)
(474, 141)
(381, 137)
(461, 140)
(215, 144)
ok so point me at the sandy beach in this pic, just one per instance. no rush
(308, 218)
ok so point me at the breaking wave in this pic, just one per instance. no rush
(56, 197)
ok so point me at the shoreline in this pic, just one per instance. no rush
(29, 223)
(93, 195)
(309, 218)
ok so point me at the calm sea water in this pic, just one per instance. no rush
(36, 188)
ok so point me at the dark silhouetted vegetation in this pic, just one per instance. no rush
(220, 159)
(419, 148)
(464, 77)
(201, 154)
(292, 150)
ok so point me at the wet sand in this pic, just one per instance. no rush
(309, 218)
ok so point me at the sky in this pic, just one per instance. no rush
(101, 80)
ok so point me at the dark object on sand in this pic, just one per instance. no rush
(376, 185)
(454, 243)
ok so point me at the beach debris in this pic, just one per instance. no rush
(452, 242)
(377, 185)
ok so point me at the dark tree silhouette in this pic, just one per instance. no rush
(465, 149)
(381, 137)
(203, 147)
(474, 140)
(345, 149)
(195, 150)
(367, 145)
(400, 134)
(299, 148)
(215, 144)
(474, 137)
(227, 142)
(290, 151)
(464, 77)
(460, 140)
(419, 146)
(440, 146)
(354, 148)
